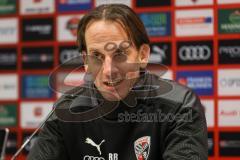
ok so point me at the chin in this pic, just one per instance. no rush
(113, 97)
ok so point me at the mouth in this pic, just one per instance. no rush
(113, 83)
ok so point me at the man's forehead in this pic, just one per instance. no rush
(103, 39)
(108, 44)
(104, 31)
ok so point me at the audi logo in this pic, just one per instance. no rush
(67, 55)
(87, 157)
(197, 53)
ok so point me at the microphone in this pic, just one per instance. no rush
(34, 133)
(38, 128)
(83, 101)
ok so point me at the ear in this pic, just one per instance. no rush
(144, 54)
(84, 56)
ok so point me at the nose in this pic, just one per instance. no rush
(108, 68)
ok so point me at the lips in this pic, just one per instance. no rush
(113, 83)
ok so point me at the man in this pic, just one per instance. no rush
(122, 112)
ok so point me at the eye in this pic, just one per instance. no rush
(96, 57)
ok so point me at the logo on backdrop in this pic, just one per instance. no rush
(229, 82)
(229, 20)
(8, 58)
(69, 56)
(194, 22)
(37, 6)
(33, 113)
(67, 27)
(74, 5)
(229, 52)
(36, 86)
(228, 113)
(200, 81)
(37, 58)
(229, 143)
(160, 53)
(8, 87)
(7, 7)
(8, 114)
(195, 53)
(72, 25)
(157, 24)
(38, 111)
(152, 3)
(8, 30)
(39, 29)
(142, 147)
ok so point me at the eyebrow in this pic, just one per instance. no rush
(94, 49)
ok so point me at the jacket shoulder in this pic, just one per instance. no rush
(67, 98)
(173, 92)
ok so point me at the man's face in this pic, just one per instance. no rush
(111, 59)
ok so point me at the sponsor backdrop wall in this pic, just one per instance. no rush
(198, 40)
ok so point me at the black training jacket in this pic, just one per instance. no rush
(158, 120)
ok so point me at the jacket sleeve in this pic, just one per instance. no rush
(186, 136)
(49, 144)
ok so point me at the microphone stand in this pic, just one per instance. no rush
(38, 128)
(32, 135)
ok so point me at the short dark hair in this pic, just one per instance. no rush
(120, 13)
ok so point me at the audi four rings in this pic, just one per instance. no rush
(87, 157)
(190, 53)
